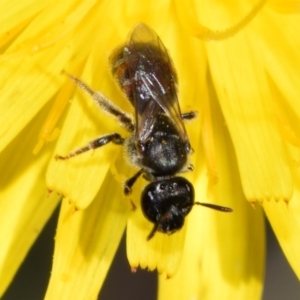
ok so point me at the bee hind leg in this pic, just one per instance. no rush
(104, 103)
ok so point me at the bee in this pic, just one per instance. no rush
(158, 143)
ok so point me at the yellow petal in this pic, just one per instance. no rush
(36, 71)
(25, 206)
(238, 73)
(49, 26)
(229, 17)
(85, 244)
(282, 62)
(18, 14)
(285, 222)
(21, 89)
(224, 253)
(220, 250)
(286, 6)
(80, 177)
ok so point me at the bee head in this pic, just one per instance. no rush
(166, 203)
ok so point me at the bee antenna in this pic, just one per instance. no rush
(216, 207)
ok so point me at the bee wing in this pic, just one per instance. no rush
(154, 81)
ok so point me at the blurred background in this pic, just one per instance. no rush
(31, 281)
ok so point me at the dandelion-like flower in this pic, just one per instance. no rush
(243, 81)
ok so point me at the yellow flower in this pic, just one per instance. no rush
(246, 142)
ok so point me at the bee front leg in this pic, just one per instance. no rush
(130, 182)
(189, 115)
(99, 142)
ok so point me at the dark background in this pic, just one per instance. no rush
(32, 278)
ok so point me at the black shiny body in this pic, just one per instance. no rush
(167, 202)
(163, 153)
(158, 143)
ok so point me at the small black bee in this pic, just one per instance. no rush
(158, 143)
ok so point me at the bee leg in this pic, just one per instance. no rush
(104, 103)
(189, 115)
(99, 142)
(130, 182)
(188, 168)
